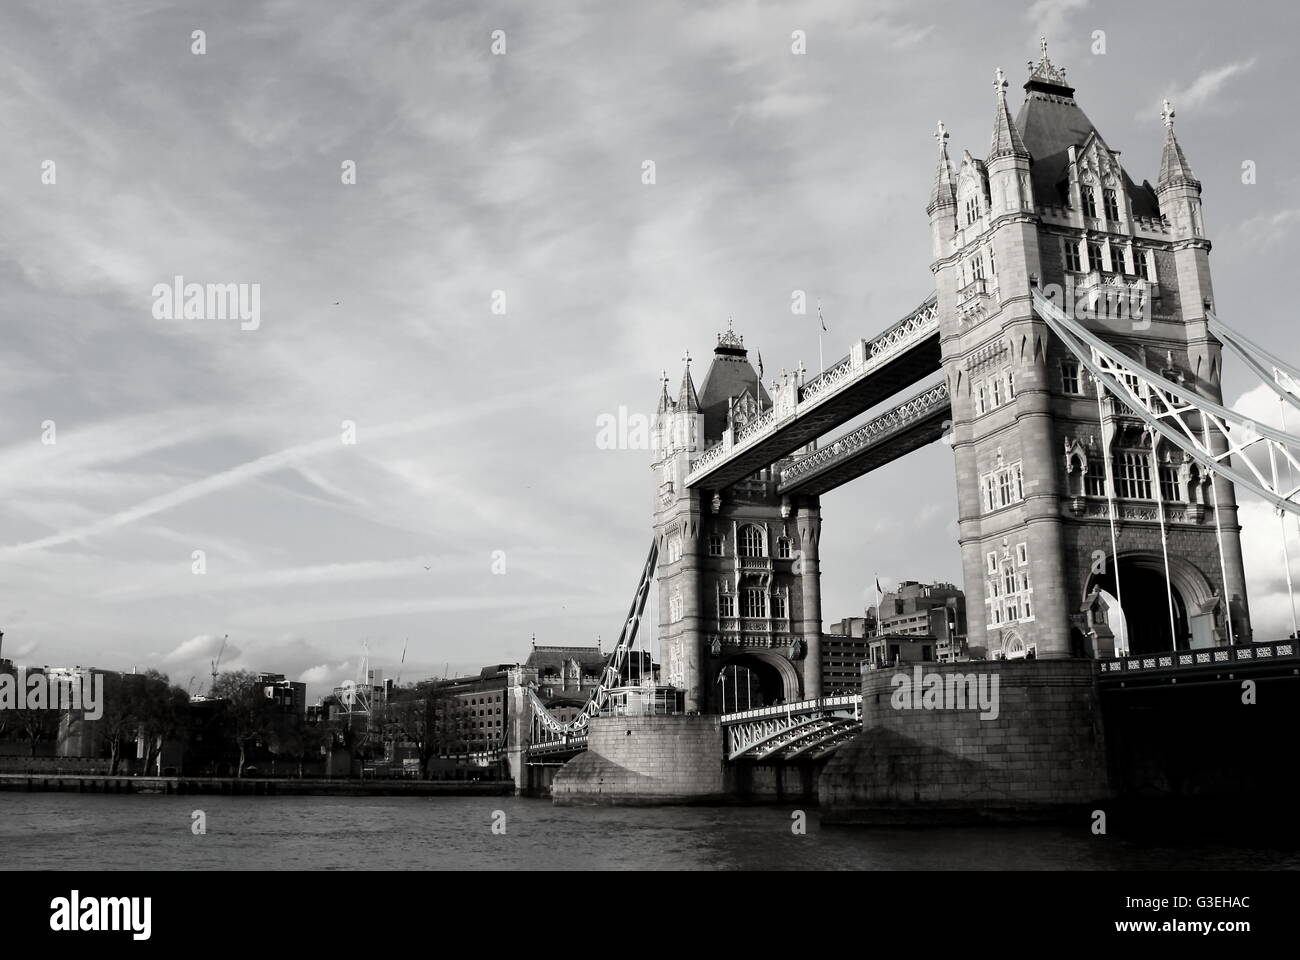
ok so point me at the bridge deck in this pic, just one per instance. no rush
(914, 423)
(873, 372)
(1200, 666)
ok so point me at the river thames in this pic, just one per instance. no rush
(61, 831)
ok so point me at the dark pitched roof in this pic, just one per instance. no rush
(730, 375)
(1051, 122)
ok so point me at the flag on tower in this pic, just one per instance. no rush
(760, 364)
(820, 317)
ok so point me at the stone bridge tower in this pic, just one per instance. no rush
(738, 570)
(1037, 452)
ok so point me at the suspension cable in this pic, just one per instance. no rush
(1223, 564)
(1164, 549)
(1110, 512)
(1283, 405)
(1286, 551)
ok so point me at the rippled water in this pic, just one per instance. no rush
(49, 830)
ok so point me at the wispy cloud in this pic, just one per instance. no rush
(1050, 18)
(1205, 91)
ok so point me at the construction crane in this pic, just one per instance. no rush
(217, 662)
(398, 681)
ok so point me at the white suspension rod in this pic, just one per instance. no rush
(1110, 510)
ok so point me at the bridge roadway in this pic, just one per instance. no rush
(874, 371)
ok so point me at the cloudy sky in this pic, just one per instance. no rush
(522, 173)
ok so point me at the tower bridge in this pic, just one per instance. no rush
(1073, 324)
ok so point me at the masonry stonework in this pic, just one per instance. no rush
(634, 760)
(1043, 755)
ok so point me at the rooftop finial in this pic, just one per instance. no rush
(729, 340)
(1000, 84)
(941, 135)
(686, 358)
(1167, 113)
(1044, 71)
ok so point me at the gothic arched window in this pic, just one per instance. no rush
(752, 543)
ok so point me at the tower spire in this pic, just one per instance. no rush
(665, 401)
(944, 192)
(687, 400)
(1174, 167)
(1006, 141)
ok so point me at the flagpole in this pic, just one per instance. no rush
(821, 326)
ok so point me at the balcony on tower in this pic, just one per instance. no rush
(754, 571)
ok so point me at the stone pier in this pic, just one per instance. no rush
(1043, 755)
(645, 760)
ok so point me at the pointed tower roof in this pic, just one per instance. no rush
(665, 402)
(944, 192)
(1050, 121)
(730, 375)
(1174, 168)
(1007, 141)
(687, 399)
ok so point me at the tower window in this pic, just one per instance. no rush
(1096, 261)
(715, 544)
(1072, 262)
(755, 603)
(1003, 487)
(1169, 486)
(972, 210)
(778, 606)
(1140, 264)
(674, 549)
(1133, 475)
(752, 542)
(995, 393)
(1009, 594)
(783, 549)
(1070, 378)
(1089, 199)
(1112, 204)
(981, 404)
(675, 607)
(726, 606)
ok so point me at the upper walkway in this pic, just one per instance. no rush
(801, 412)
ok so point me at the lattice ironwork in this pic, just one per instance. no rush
(549, 729)
(792, 729)
(910, 410)
(1185, 419)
